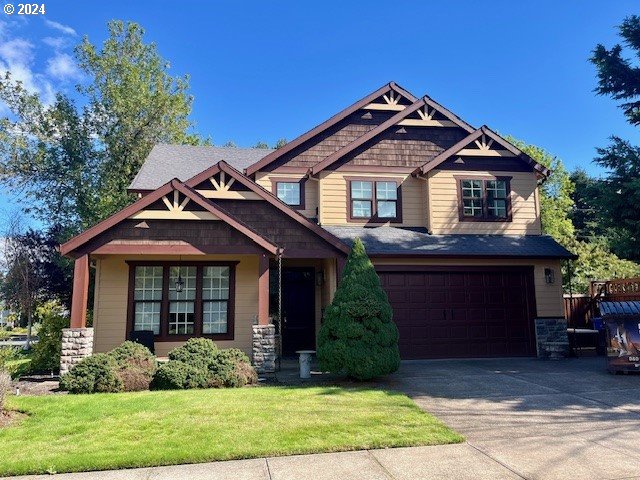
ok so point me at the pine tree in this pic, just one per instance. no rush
(358, 337)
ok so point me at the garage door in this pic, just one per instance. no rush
(462, 313)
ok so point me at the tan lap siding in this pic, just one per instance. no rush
(111, 296)
(549, 301)
(265, 180)
(443, 204)
(333, 199)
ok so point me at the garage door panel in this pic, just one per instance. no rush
(462, 313)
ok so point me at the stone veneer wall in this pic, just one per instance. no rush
(77, 343)
(264, 348)
(550, 330)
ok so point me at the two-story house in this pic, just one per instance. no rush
(221, 239)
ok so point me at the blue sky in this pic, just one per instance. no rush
(272, 69)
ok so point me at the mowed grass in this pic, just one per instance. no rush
(70, 433)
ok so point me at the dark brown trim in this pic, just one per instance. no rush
(164, 309)
(483, 130)
(485, 204)
(302, 181)
(287, 169)
(374, 219)
(374, 169)
(371, 134)
(303, 253)
(280, 205)
(273, 156)
(187, 249)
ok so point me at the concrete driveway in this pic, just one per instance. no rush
(539, 419)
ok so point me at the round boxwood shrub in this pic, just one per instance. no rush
(199, 363)
(358, 337)
(177, 375)
(96, 373)
(136, 365)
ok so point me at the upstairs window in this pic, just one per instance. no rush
(374, 200)
(290, 192)
(484, 200)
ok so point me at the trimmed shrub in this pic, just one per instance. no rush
(46, 352)
(135, 366)
(177, 375)
(358, 337)
(199, 363)
(94, 374)
(5, 385)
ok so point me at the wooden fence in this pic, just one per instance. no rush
(580, 309)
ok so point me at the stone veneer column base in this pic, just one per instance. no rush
(264, 348)
(551, 337)
(77, 343)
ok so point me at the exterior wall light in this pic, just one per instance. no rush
(549, 275)
(179, 283)
(320, 278)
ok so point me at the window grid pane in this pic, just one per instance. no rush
(188, 276)
(387, 209)
(181, 318)
(361, 208)
(496, 189)
(498, 208)
(215, 283)
(386, 191)
(472, 189)
(472, 208)
(147, 316)
(361, 190)
(214, 317)
(288, 192)
(148, 283)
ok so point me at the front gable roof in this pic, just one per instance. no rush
(424, 112)
(391, 95)
(133, 211)
(486, 147)
(268, 197)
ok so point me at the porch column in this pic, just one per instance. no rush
(264, 334)
(77, 341)
(80, 294)
(263, 290)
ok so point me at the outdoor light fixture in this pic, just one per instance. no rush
(320, 278)
(549, 275)
(179, 282)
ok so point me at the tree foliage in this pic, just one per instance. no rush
(71, 165)
(358, 337)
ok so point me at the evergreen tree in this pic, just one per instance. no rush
(358, 337)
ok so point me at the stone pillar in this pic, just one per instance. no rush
(264, 348)
(77, 343)
(552, 340)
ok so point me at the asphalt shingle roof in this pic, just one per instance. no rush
(416, 241)
(166, 162)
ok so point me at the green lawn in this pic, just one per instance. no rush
(103, 431)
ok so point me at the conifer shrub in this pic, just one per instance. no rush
(358, 337)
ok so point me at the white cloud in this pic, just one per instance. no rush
(62, 67)
(57, 43)
(17, 50)
(60, 27)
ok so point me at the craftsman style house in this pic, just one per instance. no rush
(221, 239)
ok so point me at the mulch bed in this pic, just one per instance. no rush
(38, 385)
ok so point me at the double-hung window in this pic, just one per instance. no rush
(485, 199)
(182, 300)
(376, 200)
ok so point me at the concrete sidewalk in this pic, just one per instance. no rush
(458, 462)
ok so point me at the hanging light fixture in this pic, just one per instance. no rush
(179, 281)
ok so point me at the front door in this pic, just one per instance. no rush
(298, 310)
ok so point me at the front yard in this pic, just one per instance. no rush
(105, 431)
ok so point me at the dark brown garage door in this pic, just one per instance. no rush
(450, 313)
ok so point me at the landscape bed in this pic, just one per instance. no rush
(108, 431)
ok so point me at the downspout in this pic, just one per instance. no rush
(318, 197)
(426, 186)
